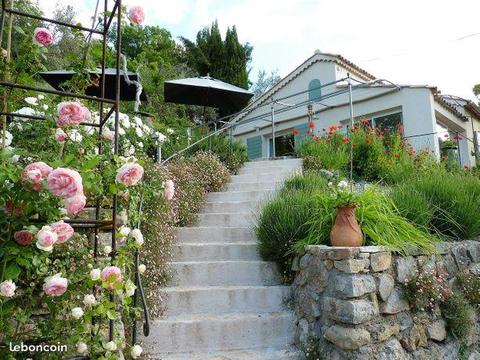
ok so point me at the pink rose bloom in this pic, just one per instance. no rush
(137, 15)
(42, 36)
(33, 176)
(55, 285)
(63, 230)
(169, 190)
(35, 172)
(65, 183)
(75, 204)
(111, 275)
(130, 174)
(46, 238)
(71, 113)
(60, 135)
(24, 237)
(7, 288)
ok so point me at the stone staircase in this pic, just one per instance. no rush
(225, 303)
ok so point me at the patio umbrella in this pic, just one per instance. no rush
(57, 79)
(206, 91)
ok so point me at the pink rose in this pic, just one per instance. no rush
(63, 230)
(169, 190)
(110, 276)
(71, 113)
(24, 237)
(65, 183)
(7, 288)
(137, 15)
(130, 174)
(33, 176)
(55, 285)
(35, 172)
(75, 204)
(46, 238)
(60, 135)
(42, 36)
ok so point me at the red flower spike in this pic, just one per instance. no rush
(346, 140)
(295, 132)
(311, 124)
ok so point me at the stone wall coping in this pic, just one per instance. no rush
(443, 247)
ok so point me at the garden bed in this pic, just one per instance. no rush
(370, 303)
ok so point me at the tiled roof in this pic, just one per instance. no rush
(317, 57)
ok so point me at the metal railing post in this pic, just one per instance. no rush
(272, 108)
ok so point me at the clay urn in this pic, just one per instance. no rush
(345, 231)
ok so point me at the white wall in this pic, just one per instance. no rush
(416, 105)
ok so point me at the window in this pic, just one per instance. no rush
(284, 145)
(390, 122)
(314, 90)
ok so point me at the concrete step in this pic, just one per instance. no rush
(262, 177)
(290, 353)
(232, 331)
(263, 164)
(245, 219)
(250, 186)
(230, 206)
(219, 234)
(215, 251)
(224, 299)
(255, 195)
(267, 169)
(224, 273)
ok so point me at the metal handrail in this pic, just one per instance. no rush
(232, 123)
(139, 286)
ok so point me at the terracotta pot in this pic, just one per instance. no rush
(345, 231)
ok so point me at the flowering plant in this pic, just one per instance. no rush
(425, 290)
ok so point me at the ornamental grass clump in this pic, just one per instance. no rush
(448, 204)
(308, 182)
(281, 224)
(378, 218)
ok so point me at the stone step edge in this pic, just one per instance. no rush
(202, 244)
(220, 287)
(257, 352)
(221, 262)
(223, 317)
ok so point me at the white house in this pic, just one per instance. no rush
(428, 118)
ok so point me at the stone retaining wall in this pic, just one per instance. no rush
(349, 303)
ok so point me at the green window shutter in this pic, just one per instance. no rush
(302, 133)
(254, 147)
(314, 90)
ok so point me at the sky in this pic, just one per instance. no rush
(415, 42)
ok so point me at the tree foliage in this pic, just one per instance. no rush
(226, 60)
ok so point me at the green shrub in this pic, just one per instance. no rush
(230, 152)
(281, 223)
(209, 171)
(458, 315)
(326, 153)
(189, 193)
(378, 218)
(470, 286)
(377, 155)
